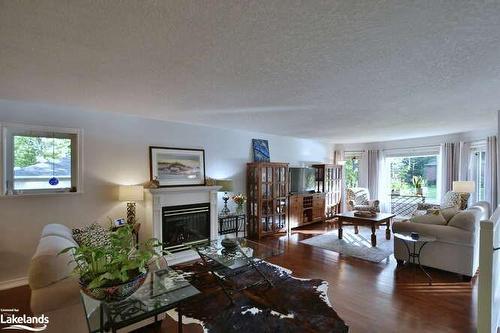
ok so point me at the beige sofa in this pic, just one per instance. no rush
(457, 246)
(53, 291)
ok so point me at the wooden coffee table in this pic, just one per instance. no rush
(348, 218)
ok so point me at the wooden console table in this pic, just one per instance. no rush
(348, 218)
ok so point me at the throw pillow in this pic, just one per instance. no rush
(452, 199)
(447, 213)
(92, 235)
(464, 220)
(432, 218)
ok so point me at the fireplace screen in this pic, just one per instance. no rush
(185, 225)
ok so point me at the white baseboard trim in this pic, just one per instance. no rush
(22, 281)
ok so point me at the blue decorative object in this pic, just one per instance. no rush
(260, 150)
(53, 181)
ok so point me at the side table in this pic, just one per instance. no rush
(413, 252)
(232, 223)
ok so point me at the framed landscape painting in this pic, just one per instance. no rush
(177, 166)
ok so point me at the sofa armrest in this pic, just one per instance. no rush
(55, 296)
(443, 233)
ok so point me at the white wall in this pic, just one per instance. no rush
(116, 152)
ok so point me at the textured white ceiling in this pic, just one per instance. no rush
(346, 71)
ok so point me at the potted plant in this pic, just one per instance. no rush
(115, 271)
(418, 183)
(239, 200)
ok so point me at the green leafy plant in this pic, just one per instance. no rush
(117, 263)
(418, 181)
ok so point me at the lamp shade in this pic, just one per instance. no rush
(227, 185)
(130, 193)
(464, 186)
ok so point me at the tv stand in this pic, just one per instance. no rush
(306, 208)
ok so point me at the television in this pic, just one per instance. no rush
(302, 179)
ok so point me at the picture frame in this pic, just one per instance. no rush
(261, 150)
(175, 167)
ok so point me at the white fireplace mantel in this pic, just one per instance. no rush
(161, 197)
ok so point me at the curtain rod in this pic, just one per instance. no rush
(438, 145)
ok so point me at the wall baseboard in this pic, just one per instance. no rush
(22, 281)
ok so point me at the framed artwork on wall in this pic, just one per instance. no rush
(260, 150)
(177, 166)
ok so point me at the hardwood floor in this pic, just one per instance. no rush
(369, 297)
(366, 295)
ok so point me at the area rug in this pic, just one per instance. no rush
(292, 305)
(352, 245)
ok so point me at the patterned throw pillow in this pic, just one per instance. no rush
(452, 199)
(92, 235)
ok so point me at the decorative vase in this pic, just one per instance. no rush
(240, 208)
(419, 191)
(115, 293)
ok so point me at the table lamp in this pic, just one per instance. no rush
(227, 186)
(464, 186)
(130, 194)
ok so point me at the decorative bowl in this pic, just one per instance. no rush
(115, 293)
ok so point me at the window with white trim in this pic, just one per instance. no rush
(351, 168)
(40, 160)
(477, 169)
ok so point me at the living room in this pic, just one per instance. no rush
(342, 156)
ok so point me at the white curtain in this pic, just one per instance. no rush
(490, 172)
(384, 184)
(338, 155)
(450, 159)
(465, 156)
(373, 163)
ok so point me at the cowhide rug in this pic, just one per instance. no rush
(292, 305)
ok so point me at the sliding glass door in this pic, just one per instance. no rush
(476, 171)
(410, 177)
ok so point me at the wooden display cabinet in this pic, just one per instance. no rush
(329, 181)
(267, 205)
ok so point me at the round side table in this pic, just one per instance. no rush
(413, 251)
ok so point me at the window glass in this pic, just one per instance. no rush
(477, 168)
(414, 175)
(351, 172)
(41, 162)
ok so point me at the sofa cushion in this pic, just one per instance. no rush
(47, 266)
(443, 233)
(447, 213)
(465, 220)
(434, 217)
(92, 235)
(55, 229)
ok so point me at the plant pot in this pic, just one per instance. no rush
(115, 293)
(419, 191)
(240, 209)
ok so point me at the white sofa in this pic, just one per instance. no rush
(53, 291)
(457, 247)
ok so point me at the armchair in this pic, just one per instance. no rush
(358, 198)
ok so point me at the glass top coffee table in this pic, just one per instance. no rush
(225, 263)
(411, 247)
(164, 289)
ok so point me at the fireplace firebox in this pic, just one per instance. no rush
(185, 225)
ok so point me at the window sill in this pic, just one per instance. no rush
(28, 195)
